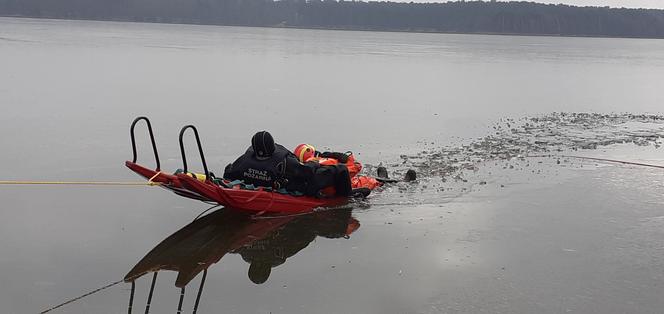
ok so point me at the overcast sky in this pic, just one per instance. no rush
(653, 4)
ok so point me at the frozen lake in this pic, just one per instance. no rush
(485, 229)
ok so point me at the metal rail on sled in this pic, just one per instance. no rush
(204, 188)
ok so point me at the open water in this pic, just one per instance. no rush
(501, 220)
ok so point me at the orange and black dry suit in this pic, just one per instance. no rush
(354, 168)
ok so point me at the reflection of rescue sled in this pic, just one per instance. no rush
(206, 187)
(263, 242)
(204, 242)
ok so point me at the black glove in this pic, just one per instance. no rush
(341, 157)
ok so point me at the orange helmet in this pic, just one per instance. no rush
(304, 152)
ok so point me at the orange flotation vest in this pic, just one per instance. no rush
(364, 182)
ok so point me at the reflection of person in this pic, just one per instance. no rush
(268, 164)
(273, 250)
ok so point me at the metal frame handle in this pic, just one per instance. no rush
(200, 150)
(133, 140)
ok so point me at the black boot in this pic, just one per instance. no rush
(382, 172)
(411, 175)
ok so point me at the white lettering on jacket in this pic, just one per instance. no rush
(257, 175)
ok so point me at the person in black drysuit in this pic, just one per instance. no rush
(268, 164)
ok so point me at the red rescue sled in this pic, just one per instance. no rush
(204, 188)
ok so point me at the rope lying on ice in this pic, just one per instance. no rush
(113, 183)
(81, 297)
(107, 183)
(602, 159)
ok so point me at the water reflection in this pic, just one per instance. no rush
(274, 249)
(263, 242)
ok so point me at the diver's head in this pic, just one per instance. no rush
(259, 272)
(263, 145)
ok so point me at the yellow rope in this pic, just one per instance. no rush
(154, 176)
(149, 183)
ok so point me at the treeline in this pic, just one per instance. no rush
(456, 17)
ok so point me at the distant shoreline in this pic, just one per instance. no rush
(351, 29)
(515, 18)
